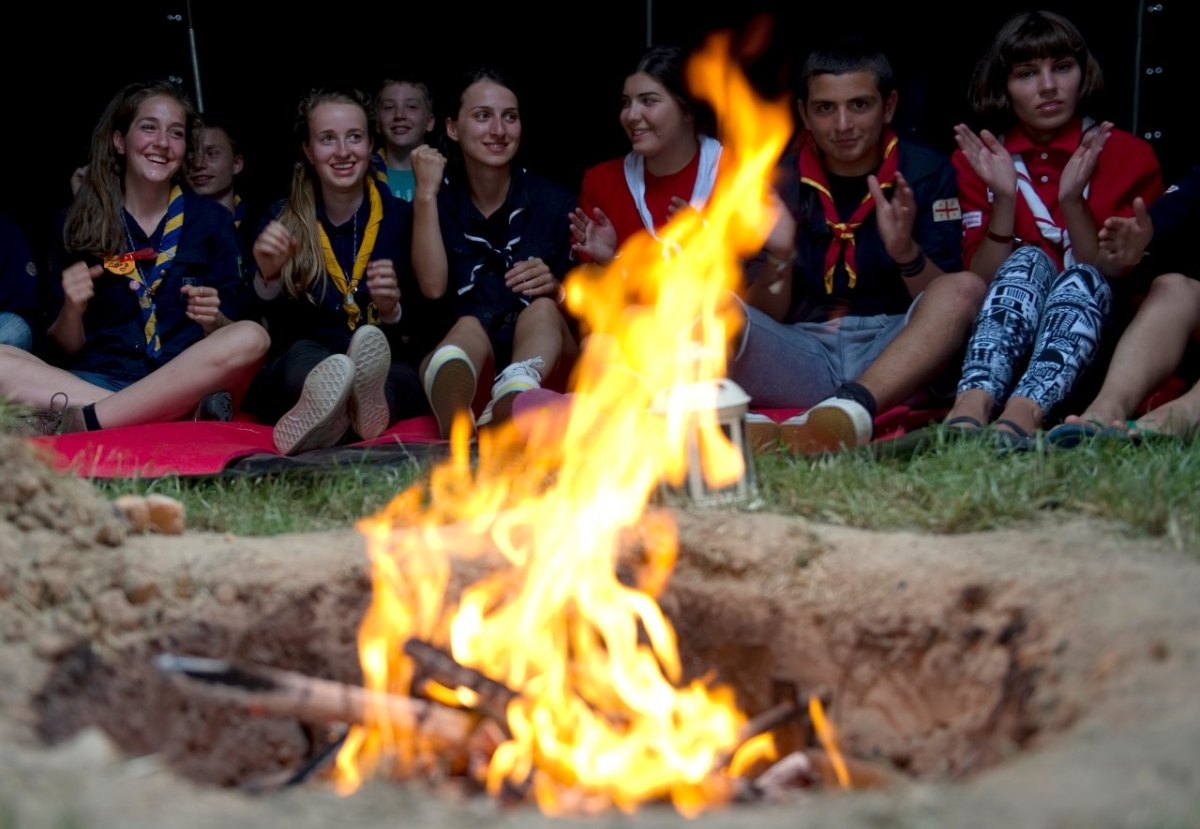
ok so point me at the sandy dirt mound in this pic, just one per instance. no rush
(1042, 676)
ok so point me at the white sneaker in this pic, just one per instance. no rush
(372, 358)
(514, 379)
(320, 417)
(829, 426)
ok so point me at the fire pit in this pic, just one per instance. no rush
(549, 592)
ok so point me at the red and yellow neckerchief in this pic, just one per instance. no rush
(812, 173)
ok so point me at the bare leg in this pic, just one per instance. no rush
(542, 332)
(225, 360)
(939, 326)
(1149, 350)
(31, 382)
(1179, 417)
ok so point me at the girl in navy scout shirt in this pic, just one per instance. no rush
(149, 282)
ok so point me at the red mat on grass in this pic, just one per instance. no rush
(153, 450)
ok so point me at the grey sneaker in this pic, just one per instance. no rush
(320, 417)
(217, 406)
(372, 358)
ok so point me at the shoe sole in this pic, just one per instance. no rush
(372, 358)
(498, 411)
(762, 436)
(451, 392)
(827, 429)
(319, 418)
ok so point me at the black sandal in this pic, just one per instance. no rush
(1013, 438)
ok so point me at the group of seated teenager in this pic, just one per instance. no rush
(398, 279)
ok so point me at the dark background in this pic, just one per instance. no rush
(256, 61)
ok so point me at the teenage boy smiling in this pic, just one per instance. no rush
(871, 226)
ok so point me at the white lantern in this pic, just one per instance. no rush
(731, 403)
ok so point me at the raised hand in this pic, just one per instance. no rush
(272, 250)
(596, 237)
(383, 286)
(895, 218)
(429, 166)
(1082, 163)
(203, 306)
(988, 158)
(1123, 240)
(77, 282)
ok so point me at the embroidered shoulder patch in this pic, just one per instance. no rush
(973, 218)
(946, 210)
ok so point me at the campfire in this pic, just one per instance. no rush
(560, 648)
(591, 662)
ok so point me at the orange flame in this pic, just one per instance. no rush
(828, 738)
(599, 712)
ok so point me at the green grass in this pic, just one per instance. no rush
(1153, 489)
(277, 503)
(1150, 490)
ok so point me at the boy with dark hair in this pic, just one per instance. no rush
(860, 300)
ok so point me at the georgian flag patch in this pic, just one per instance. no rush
(946, 210)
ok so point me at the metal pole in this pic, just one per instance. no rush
(195, 59)
(1137, 68)
(649, 23)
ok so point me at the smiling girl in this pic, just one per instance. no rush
(670, 165)
(1032, 202)
(333, 268)
(507, 245)
(149, 282)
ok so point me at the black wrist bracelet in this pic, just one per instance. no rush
(911, 269)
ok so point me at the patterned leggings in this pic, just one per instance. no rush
(1031, 309)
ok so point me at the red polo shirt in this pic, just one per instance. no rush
(604, 186)
(1127, 168)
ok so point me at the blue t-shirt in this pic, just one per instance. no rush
(402, 183)
(115, 344)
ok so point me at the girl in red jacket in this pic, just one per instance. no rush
(1033, 196)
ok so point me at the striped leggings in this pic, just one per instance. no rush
(1032, 310)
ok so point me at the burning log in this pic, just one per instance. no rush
(273, 692)
(770, 719)
(438, 666)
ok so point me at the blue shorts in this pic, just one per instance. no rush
(103, 381)
(796, 366)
